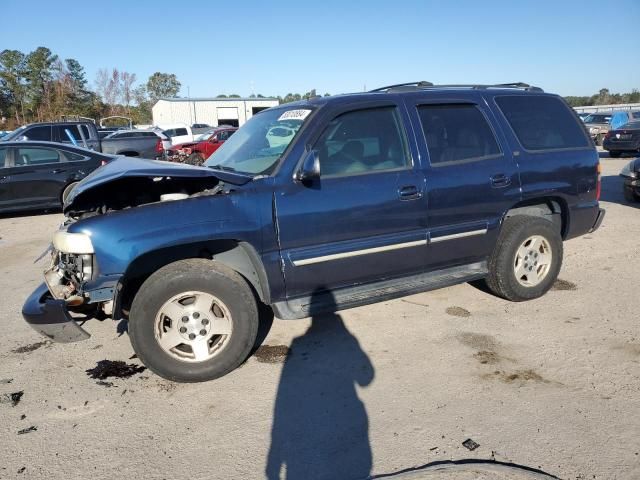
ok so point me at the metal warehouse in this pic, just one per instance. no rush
(212, 111)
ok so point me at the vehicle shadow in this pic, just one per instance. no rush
(320, 426)
(612, 191)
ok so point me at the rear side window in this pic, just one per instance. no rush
(457, 133)
(36, 156)
(636, 115)
(74, 157)
(542, 123)
(3, 156)
(67, 132)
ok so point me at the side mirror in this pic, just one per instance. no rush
(310, 169)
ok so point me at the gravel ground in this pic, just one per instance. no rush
(550, 384)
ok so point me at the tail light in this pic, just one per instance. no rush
(599, 182)
(103, 163)
(159, 147)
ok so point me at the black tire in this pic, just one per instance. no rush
(630, 196)
(195, 159)
(615, 154)
(193, 275)
(515, 231)
(67, 191)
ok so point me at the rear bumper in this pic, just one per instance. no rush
(599, 218)
(631, 184)
(51, 318)
(622, 146)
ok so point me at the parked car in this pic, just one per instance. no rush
(623, 140)
(40, 175)
(195, 153)
(631, 185)
(597, 124)
(178, 133)
(377, 195)
(583, 115)
(85, 134)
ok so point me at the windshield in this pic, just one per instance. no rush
(204, 136)
(257, 146)
(597, 118)
(15, 134)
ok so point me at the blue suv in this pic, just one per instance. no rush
(322, 205)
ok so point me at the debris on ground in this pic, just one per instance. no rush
(32, 428)
(470, 444)
(23, 416)
(104, 384)
(563, 285)
(114, 368)
(22, 469)
(272, 353)
(6, 380)
(12, 398)
(31, 348)
(458, 312)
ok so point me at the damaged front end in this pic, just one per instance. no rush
(80, 278)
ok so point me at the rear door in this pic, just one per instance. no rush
(471, 178)
(365, 219)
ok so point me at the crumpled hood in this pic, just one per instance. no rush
(127, 182)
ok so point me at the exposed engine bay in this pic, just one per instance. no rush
(130, 192)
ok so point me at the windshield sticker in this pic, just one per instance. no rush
(294, 115)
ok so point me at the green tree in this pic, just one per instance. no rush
(39, 74)
(12, 89)
(162, 85)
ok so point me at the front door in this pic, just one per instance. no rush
(365, 218)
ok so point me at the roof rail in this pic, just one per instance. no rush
(425, 85)
(421, 83)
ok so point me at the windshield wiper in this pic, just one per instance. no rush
(224, 168)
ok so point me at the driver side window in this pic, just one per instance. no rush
(363, 141)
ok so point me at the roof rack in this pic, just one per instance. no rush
(419, 84)
(425, 85)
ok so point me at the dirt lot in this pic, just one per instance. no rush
(551, 384)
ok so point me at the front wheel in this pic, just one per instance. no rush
(526, 260)
(193, 320)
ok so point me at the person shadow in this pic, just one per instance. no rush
(320, 426)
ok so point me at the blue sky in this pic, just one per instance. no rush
(567, 47)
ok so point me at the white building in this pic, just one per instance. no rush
(212, 111)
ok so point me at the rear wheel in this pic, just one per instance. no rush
(526, 260)
(193, 320)
(630, 195)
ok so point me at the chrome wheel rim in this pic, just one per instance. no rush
(193, 326)
(532, 261)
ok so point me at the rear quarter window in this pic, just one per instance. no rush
(542, 123)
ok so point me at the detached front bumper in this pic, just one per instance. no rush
(51, 318)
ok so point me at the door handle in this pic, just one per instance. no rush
(500, 180)
(57, 170)
(409, 192)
